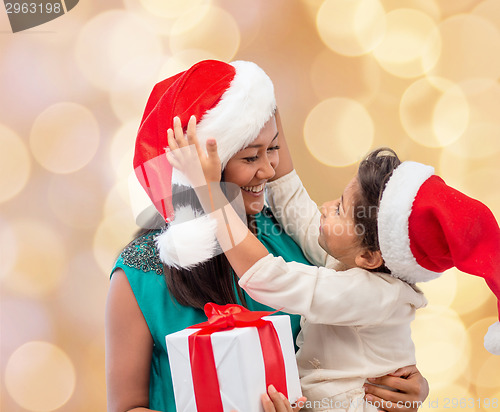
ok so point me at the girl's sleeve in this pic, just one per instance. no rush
(322, 295)
(298, 215)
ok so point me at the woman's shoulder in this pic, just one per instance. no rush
(141, 254)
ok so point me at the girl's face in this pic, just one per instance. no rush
(338, 234)
(254, 165)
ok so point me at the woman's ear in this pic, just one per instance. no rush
(369, 259)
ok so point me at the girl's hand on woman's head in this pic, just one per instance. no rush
(410, 390)
(187, 156)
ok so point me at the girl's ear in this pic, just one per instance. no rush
(369, 259)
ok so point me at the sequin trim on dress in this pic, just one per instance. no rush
(142, 254)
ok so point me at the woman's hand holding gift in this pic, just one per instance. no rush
(275, 401)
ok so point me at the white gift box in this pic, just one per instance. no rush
(240, 366)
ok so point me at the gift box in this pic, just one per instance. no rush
(228, 362)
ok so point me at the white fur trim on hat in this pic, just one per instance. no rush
(239, 116)
(394, 211)
(189, 240)
(492, 339)
(243, 110)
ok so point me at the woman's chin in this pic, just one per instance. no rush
(253, 206)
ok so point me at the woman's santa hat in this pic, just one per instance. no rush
(232, 103)
(426, 227)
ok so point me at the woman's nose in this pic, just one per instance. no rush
(266, 170)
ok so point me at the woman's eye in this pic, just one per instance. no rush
(251, 159)
(270, 149)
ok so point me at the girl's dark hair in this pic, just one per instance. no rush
(373, 173)
(210, 281)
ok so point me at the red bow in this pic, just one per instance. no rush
(204, 371)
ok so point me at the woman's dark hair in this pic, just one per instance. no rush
(373, 174)
(211, 281)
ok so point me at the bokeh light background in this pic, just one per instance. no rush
(421, 76)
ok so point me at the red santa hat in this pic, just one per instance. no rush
(231, 102)
(426, 227)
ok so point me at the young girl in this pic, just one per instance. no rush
(358, 301)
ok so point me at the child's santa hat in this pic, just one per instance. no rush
(232, 103)
(426, 227)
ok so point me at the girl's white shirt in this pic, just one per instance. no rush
(355, 323)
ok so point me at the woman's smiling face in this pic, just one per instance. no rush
(254, 165)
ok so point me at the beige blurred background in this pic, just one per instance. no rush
(421, 76)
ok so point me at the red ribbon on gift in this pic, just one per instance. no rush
(203, 369)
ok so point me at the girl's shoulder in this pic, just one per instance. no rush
(141, 254)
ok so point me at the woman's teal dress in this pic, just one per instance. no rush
(164, 315)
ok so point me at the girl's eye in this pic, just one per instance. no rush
(251, 159)
(337, 210)
(270, 149)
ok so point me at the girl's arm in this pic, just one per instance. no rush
(299, 216)
(129, 347)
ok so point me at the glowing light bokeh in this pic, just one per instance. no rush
(15, 164)
(8, 248)
(489, 10)
(442, 344)
(207, 28)
(156, 23)
(110, 41)
(338, 131)
(132, 86)
(36, 320)
(434, 113)
(122, 148)
(64, 137)
(441, 291)
(327, 84)
(429, 7)
(406, 42)
(450, 7)
(183, 60)
(40, 376)
(41, 255)
(118, 198)
(74, 199)
(488, 376)
(84, 279)
(475, 374)
(112, 235)
(450, 396)
(172, 8)
(351, 27)
(470, 48)
(481, 137)
(471, 293)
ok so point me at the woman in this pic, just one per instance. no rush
(161, 281)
